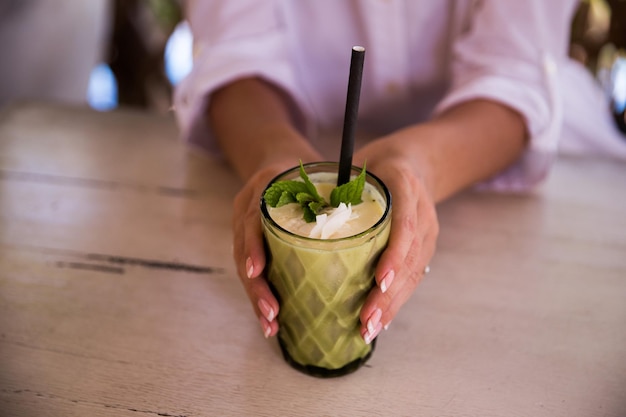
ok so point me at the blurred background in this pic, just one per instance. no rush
(104, 53)
(112, 53)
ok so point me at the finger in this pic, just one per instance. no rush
(382, 307)
(250, 261)
(410, 272)
(404, 225)
(401, 254)
(400, 249)
(265, 304)
(405, 288)
(369, 335)
(269, 329)
(391, 303)
(248, 238)
(253, 244)
(382, 300)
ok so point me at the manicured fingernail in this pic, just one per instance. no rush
(266, 310)
(374, 320)
(386, 281)
(267, 329)
(249, 267)
(369, 336)
(386, 326)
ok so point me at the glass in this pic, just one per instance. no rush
(321, 285)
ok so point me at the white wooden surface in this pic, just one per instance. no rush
(118, 293)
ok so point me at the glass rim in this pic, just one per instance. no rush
(384, 217)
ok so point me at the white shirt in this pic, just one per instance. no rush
(422, 57)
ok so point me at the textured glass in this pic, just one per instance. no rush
(321, 286)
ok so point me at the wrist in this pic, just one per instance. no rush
(408, 149)
(280, 146)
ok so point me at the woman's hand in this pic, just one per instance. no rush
(414, 231)
(248, 248)
(260, 148)
(422, 165)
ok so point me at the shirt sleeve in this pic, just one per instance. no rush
(511, 53)
(232, 39)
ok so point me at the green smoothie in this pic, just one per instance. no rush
(321, 284)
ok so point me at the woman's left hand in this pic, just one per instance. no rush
(414, 231)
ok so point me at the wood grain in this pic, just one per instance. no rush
(119, 297)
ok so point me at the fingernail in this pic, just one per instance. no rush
(386, 327)
(374, 320)
(249, 267)
(266, 310)
(386, 281)
(369, 336)
(267, 329)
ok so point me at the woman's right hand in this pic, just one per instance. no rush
(248, 248)
(264, 145)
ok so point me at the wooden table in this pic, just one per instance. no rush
(119, 297)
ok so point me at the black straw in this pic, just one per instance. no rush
(350, 118)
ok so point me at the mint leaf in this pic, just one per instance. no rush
(316, 206)
(304, 193)
(285, 198)
(282, 191)
(304, 198)
(309, 185)
(309, 213)
(301, 192)
(349, 193)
